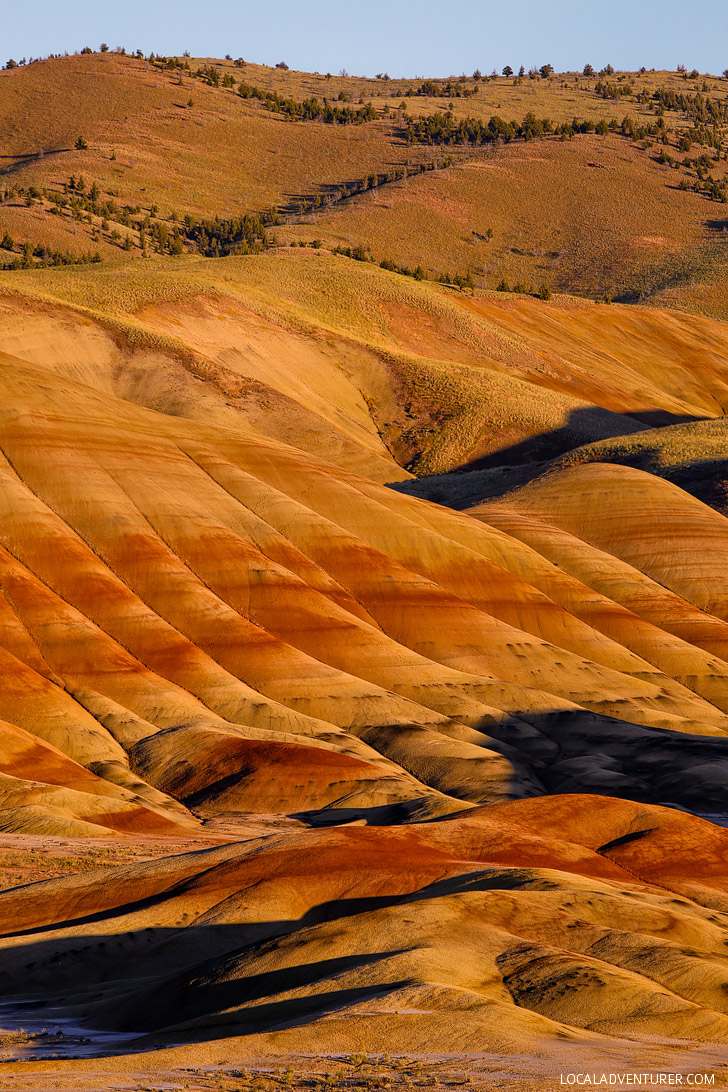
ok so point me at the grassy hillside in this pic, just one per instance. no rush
(370, 369)
(593, 214)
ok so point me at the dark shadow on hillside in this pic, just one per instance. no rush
(584, 425)
(147, 982)
(462, 489)
(222, 977)
(21, 161)
(499, 473)
(705, 479)
(582, 751)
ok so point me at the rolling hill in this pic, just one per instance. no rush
(628, 213)
(364, 635)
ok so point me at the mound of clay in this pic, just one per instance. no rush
(507, 930)
(220, 623)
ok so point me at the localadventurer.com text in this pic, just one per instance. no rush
(639, 1080)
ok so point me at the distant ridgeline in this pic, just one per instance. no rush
(134, 228)
(708, 114)
(307, 110)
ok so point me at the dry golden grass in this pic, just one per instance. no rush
(704, 294)
(58, 233)
(222, 155)
(561, 97)
(593, 216)
(440, 383)
(437, 377)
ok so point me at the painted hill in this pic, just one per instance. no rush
(410, 776)
(222, 587)
(536, 926)
(369, 369)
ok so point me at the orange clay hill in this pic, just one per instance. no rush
(363, 629)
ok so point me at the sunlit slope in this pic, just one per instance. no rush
(590, 215)
(368, 369)
(219, 156)
(692, 455)
(537, 922)
(621, 362)
(259, 375)
(42, 790)
(238, 624)
(646, 521)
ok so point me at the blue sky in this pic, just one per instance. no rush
(402, 37)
